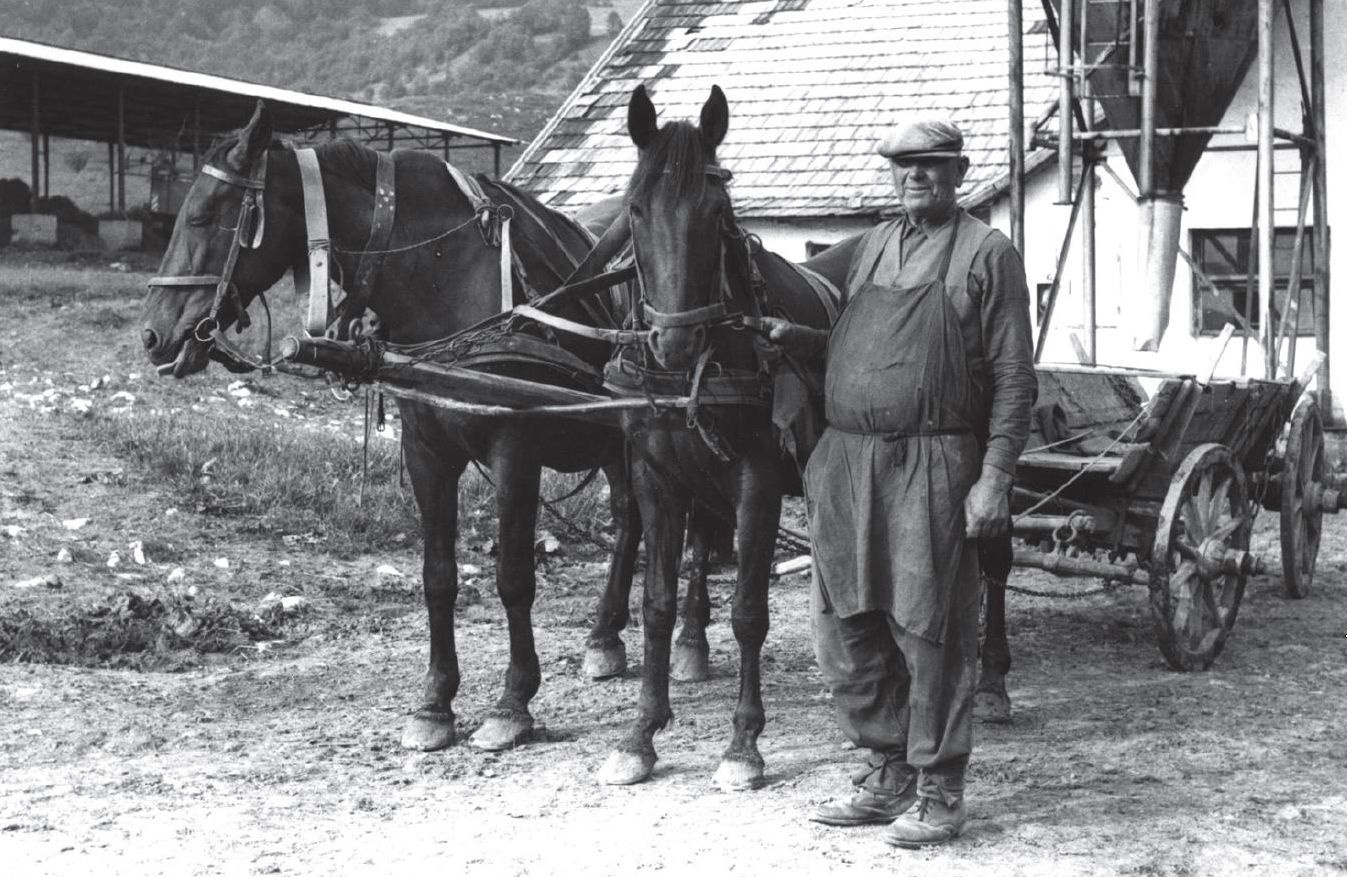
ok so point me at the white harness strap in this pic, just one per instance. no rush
(315, 220)
(480, 204)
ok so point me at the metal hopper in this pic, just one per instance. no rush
(1159, 66)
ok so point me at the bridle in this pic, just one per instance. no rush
(707, 382)
(651, 321)
(248, 230)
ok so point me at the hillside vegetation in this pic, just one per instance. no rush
(501, 65)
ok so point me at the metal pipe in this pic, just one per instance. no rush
(1089, 260)
(1266, 218)
(112, 177)
(1151, 62)
(1050, 523)
(1065, 98)
(1120, 133)
(1015, 26)
(1062, 565)
(1319, 117)
(46, 165)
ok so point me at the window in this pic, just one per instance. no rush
(1221, 281)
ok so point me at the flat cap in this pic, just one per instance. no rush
(922, 138)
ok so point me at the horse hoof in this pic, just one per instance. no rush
(738, 776)
(627, 768)
(605, 662)
(992, 707)
(502, 732)
(427, 732)
(690, 663)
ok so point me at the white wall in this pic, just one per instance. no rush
(1219, 195)
(788, 237)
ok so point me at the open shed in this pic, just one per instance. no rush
(51, 92)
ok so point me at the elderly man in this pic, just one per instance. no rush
(928, 390)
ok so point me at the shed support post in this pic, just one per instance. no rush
(35, 135)
(121, 150)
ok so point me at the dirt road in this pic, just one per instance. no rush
(281, 756)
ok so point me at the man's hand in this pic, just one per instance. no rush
(792, 336)
(986, 509)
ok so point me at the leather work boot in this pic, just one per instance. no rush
(933, 821)
(872, 806)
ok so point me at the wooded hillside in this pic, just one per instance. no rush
(493, 64)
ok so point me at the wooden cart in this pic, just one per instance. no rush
(1155, 478)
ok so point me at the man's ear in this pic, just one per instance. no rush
(962, 171)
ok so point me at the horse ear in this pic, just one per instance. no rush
(641, 123)
(254, 138)
(715, 117)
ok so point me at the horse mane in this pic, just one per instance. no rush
(677, 157)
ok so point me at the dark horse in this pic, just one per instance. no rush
(700, 276)
(435, 272)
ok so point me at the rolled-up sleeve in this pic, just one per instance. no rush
(1008, 349)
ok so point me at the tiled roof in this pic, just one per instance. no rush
(811, 85)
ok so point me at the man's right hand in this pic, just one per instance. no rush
(792, 336)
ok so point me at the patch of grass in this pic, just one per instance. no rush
(305, 481)
(291, 481)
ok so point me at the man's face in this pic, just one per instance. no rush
(927, 186)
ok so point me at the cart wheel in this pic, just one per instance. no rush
(1302, 516)
(1200, 558)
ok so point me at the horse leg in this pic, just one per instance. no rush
(633, 760)
(517, 484)
(991, 703)
(691, 660)
(758, 510)
(605, 653)
(435, 485)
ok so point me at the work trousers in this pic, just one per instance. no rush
(908, 699)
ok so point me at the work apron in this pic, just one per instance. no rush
(886, 484)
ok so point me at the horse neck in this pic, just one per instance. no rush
(436, 275)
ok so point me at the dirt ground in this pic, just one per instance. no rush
(281, 756)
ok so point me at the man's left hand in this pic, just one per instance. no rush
(986, 509)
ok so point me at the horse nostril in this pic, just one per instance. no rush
(150, 339)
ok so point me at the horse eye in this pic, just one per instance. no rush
(201, 220)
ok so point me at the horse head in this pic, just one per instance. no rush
(679, 211)
(232, 240)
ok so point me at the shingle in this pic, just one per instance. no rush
(811, 83)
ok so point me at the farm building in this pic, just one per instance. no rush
(812, 84)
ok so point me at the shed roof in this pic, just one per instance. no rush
(811, 85)
(78, 93)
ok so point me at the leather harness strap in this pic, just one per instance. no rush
(319, 244)
(380, 232)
